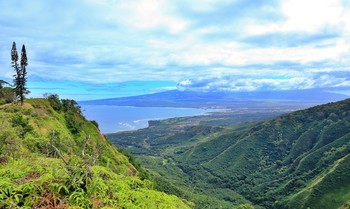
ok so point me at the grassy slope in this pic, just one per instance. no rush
(297, 160)
(32, 174)
(329, 190)
(164, 148)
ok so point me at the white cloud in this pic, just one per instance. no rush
(233, 83)
(102, 41)
(206, 5)
(311, 15)
(303, 16)
(144, 14)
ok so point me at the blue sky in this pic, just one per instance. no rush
(92, 49)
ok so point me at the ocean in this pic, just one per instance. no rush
(112, 119)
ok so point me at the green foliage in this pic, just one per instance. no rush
(72, 122)
(162, 154)
(6, 95)
(245, 206)
(95, 123)
(296, 160)
(142, 172)
(9, 143)
(44, 165)
(55, 102)
(23, 124)
(70, 108)
(69, 105)
(329, 190)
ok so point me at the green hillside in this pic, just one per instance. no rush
(297, 160)
(52, 157)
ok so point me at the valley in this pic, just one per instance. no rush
(295, 160)
(165, 104)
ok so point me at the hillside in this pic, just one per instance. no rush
(52, 157)
(297, 160)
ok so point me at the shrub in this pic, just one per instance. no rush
(55, 102)
(70, 105)
(6, 95)
(72, 123)
(22, 123)
(94, 122)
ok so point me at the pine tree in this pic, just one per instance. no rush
(20, 79)
(14, 58)
(23, 75)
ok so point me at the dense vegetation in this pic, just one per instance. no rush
(297, 160)
(52, 157)
(6, 95)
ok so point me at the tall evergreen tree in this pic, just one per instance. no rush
(20, 79)
(14, 59)
(23, 77)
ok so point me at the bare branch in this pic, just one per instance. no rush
(59, 153)
(55, 148)
(95, 158)
(84, 146)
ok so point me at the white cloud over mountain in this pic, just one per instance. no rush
(203, 44)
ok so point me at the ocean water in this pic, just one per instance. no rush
(113, 119)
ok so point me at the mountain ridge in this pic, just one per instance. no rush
(296, 160)
(176, 98)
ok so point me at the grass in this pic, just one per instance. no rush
(297, 160)
(45, 164)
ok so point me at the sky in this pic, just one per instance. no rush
(93, 49)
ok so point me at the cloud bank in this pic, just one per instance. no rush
(199, 44)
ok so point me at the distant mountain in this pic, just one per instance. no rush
(176, 98)
(297, 161)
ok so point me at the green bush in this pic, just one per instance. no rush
(9, 143)
(72, 122)
(70, 105)
(55, 102)
(95, 123)
(23, 124)
(6, 95)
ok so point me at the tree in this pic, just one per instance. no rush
(55, 102)
(21, 72)
(14, 58)
(24, 64)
